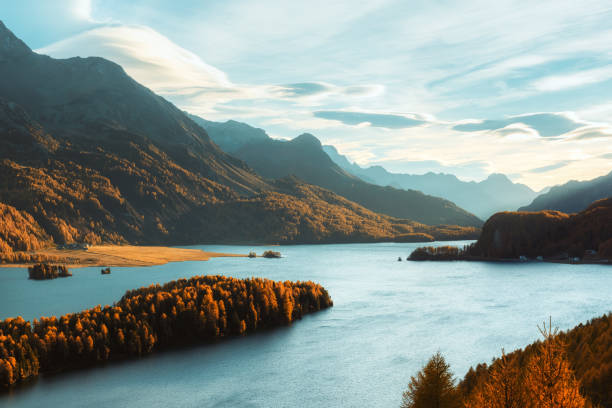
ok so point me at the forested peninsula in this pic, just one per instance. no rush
(181, 312)
(544, 235)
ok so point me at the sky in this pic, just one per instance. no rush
(464, 87)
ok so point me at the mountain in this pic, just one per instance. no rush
(88, 154)
(573, 196)
(231, 135)
(484, 198)
(305, 158)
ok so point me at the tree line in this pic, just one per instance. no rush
(549, 234)
(152, 318)
(570, 369)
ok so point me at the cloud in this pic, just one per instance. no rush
(591, 132)
(384, 120)
(546, 124)
(573, 80)
(551, 167)
(145, 54)
(606, 156)
(319, 90)
(304, 89)
(182, 76)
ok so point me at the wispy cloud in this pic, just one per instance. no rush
(384, 120)
(551, 167)
(573, 80)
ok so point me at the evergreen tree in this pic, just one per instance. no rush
(502, 387)
(433, 386)
(549, 379)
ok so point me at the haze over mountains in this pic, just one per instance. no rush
(305, 158)
(484, 198)
(573, 196)
(88, 154)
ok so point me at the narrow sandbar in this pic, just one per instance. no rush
(124, 255)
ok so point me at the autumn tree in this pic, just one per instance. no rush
(432, 387)
(549, 379)
(502, 388)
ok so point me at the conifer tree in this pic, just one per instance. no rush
(433, 386)
(549, 379)
(503, 387)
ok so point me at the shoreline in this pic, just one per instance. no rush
(592, 261)
(121, 256)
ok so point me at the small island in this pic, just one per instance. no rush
(271, 254)
(45, 271)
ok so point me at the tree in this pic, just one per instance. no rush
(433, 386)
(502, 387)
(549, 379)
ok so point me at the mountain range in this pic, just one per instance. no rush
(573, 196)
(305, 158)
(494, 194)
(89, 154)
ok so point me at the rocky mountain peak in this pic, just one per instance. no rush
(10, 45)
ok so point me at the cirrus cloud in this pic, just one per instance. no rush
(384, 120)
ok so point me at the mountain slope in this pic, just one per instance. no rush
(496, 193)
(304, 157)
(93, 100)
(573, 196)
(91, 155)
(230, 136)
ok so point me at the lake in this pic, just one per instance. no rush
(388, 318)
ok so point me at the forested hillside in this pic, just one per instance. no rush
(583, 353)
(19, 231)
(547, 233)
(302, 213)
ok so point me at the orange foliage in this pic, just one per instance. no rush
(557, 368)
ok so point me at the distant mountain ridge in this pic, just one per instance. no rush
(484, 198)
(573, 196)
(305, 158)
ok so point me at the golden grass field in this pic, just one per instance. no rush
(125, 255)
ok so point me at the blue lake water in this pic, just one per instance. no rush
(388, 318)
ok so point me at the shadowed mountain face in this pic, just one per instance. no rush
(305, 158)
(88, 154)
(573, 196)
(93, 101)
(496, 193)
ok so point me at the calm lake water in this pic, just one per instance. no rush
(388, 318)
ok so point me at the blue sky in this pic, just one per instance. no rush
(468, 87)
